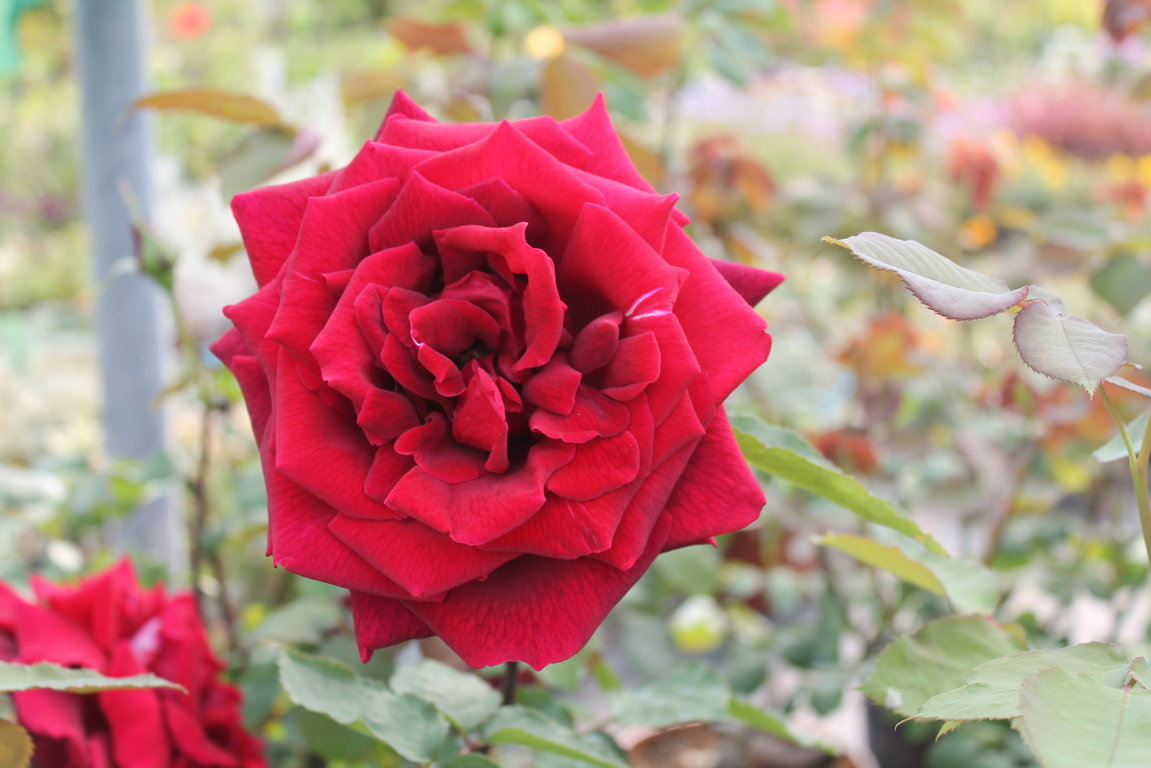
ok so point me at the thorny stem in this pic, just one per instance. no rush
(1137, 462)
(511, 677)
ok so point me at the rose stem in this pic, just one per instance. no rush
(511, 677)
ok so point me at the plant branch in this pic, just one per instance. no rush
(1137, 462)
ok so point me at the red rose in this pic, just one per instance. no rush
(485, 367)
(108, 623)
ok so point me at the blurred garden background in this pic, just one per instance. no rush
(1014, 138)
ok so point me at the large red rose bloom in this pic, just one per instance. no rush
(485, 367)
(110, 624)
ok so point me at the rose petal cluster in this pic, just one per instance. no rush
(485, 368)
(112, 625)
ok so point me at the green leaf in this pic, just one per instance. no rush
(1066, 347)
(15, 745)
(968, 585)
(53, 677)
(1123, 282)
(465, 699)
(785, 454)
(937, 658)
(535, 730)
(262, 154)
(1115, 448)
(942, 285)
(688, 693)
(331, 740)
(233, 107)
(300, 621)
(469, 761)
(1073, 721)
(408, 724)
(322, 685)
(992, 689)
(768, 723)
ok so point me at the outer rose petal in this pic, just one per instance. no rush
(56, 715)
(533, 609)
(269, 219)
(610, 159)
(700, 507)
(381, 621)
(750, 283)
(137, 726)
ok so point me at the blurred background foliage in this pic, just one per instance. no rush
(1014, 138)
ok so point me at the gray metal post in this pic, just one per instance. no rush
(109, 61)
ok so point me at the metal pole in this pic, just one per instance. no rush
(109, 61)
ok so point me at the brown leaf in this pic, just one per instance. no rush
(225, 105)
(1122, 17)
(444, 39)
(646, 45)
(567, 86)
(369, 85)
(648, 161)
(15, 745)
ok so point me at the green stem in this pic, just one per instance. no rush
(1137, 462)
(511, 677)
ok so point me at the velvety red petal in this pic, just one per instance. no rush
(749, 282)
(608, 267)
(421, 207)
(388, 468)
(598, 466)
(382, 621)
(554, 386)
(56, 715)
(596, 343)
(442, 137)
(424, 562)
(434, 450)
(252, 318)
(594, 415)
(269, 219)
(594, 129)
(136, 724)
(385, 415)
(542, 307)
(507, 206)
(534, 610)
(257, 396)
(321, 449)
(44, 635)
(635, 365)
(565, 529)
(333, 237)
(649, 215)
(452, 326)
(189, 736)
(700, 507)
(547, 184)
(478, 511)
(377, 161)
(480, 421)
(678, 364)
(729, 339)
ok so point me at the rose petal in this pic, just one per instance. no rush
(434, 450)
(596, 343)
(507, 207)
(593, 128)
(402, 104)
(547, 184)
(701, 508)
(388, 467)
(136, 725)
(269, 219)
(43, 635)
(188, 734)
(377, 161)
(554, 386)
(608, 267)
(422, 561)
(332, 237)
(55, 715)
(382, 621)
(598, 466)
(649, 215)
(441, 137)
(385, 415)
(710, 310)
(750, 283)
(451, 326)
(594, 415)
(635, 365)
(478, 511)
(480, 421)
(565, 529)
(421, 207)
(535, 610)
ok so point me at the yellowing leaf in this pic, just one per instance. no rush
(15, 745)
(225, 105)
(646, 45)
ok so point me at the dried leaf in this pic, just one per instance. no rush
(645, 45)
(225, 105)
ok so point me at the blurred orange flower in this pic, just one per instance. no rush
(188, 21)
(973, 164)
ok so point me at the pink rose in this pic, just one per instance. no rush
(109, 624)
(485, 367)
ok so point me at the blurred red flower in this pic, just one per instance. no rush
(188, 21)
